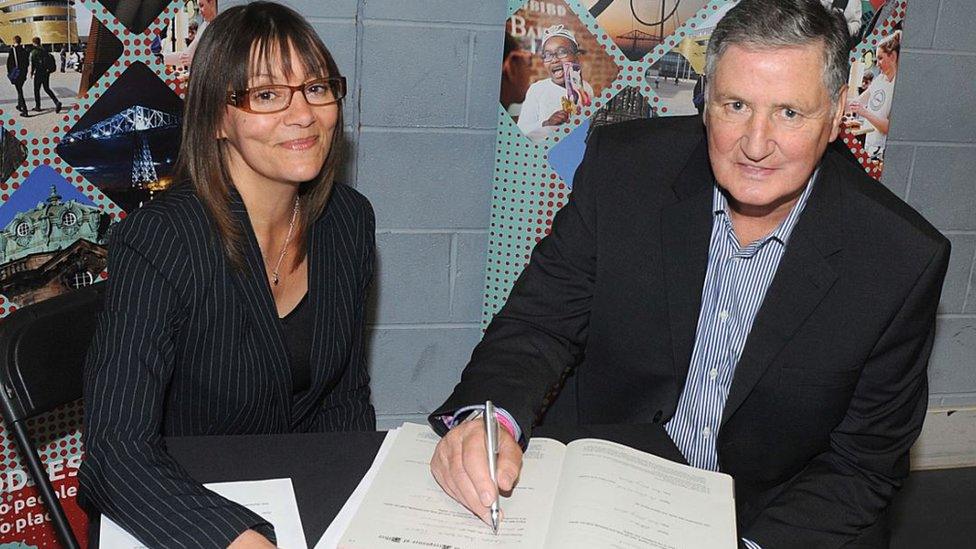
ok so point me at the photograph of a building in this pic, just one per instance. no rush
(52, 239)
(82, 50)
(53, 21)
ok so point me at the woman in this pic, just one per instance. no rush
(874, 104)
(208, 10)
(235, 302)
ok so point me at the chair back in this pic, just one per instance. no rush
(42, 352)
(42, 362)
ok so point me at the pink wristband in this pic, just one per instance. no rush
(503, 421)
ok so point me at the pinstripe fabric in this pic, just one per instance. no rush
(189, 346)
(736, 281)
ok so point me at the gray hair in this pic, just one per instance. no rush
(785, 23)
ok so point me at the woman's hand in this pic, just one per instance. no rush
(857, 107)
(250, 539)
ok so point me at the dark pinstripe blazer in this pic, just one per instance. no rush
(187, 345)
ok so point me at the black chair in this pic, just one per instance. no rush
(42, 357)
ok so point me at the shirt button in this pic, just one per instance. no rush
(712, 374)
(723, 316)
(706, 432)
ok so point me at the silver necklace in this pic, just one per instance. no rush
(284, 248)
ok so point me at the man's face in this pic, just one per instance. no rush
(558, 50)
(769, 119)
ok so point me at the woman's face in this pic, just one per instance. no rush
(287, 147)
(888, 62)
(208, 9)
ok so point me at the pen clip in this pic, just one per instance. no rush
(491, 427)
(491, 443)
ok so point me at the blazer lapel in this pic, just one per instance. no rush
(253, 286)
(685, 233)
(802, 280)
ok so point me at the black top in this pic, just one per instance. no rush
(297, 326)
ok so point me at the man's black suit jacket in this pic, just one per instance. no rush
(830, 391)
(189, 345)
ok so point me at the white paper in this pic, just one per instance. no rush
(405, 508)
(330, 539)
(591, 493)
(273, 500)
(614, 496)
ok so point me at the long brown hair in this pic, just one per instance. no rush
(238, 41)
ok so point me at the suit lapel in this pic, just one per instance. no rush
(802, 280)
(685, 234)
(257, 298)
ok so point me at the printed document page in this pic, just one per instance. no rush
(611, 495)
(405, 507)
(273, 500)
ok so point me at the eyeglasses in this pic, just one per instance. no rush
(277, 97)
(560, 53)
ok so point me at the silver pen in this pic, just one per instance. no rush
(491, 441)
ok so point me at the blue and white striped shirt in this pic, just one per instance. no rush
(736, 281)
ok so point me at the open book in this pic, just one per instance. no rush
(590, 493)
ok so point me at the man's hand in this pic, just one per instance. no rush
(249, 539)
(557, 118)
(460, 466)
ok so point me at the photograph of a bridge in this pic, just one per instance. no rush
(127, 142)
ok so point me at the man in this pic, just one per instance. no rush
(546, 104)
(740, 284)
(42, 64)
(17, 63)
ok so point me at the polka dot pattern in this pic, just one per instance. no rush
(527, 192)
(57, 434)
(864, 51)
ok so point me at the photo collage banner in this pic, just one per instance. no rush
(609, 61)
(99, 140)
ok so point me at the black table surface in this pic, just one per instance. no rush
(933, 509)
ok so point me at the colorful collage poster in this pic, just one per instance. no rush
(571, 65)
(97, 137)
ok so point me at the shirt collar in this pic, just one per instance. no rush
(720, 206)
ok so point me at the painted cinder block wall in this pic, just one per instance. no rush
(931, 163)
(420, 120)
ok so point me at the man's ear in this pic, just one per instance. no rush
(839, 106)
(705, 96)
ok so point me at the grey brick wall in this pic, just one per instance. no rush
(931, 163)
(421, 120)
